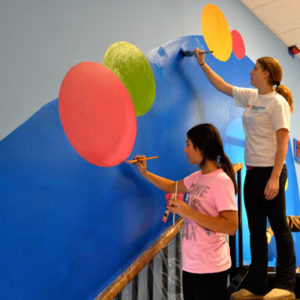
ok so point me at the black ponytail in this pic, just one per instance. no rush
(226, 165)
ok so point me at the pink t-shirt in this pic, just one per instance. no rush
(205, 251)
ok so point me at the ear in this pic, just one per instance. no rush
(266, 74)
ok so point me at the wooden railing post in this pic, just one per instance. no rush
(165, 271)
(232, 239)
(178, 266)
(150, 280)
(240, 219)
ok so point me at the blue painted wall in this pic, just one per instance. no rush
(76, 226)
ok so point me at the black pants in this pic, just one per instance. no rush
(204, 286)
(258, 209)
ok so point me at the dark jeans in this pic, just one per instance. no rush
(204, 286)
(258, 209)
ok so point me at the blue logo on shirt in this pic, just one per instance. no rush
(257, 109)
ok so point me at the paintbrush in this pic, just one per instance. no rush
(191, 53)
(141, 159)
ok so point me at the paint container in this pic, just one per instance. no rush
(180, 196)
(168, 196)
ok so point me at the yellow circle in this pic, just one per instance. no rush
(216, 32)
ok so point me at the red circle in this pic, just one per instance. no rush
(238, 45)
(97, 114)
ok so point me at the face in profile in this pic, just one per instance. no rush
(194, 155)
(258, 75)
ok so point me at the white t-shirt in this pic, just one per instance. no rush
(263, 116)
(205, 251)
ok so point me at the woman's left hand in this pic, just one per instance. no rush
(179, 207)
(271, 189)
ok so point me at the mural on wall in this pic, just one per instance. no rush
(74, 215)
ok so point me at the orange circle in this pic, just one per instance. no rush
(216, 32)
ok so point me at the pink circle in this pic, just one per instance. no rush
(238, 46)
(97, 114)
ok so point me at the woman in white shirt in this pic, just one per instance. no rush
(266, 123)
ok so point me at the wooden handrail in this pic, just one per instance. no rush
(111, 291)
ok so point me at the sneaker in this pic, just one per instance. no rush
(279, 294)
(245, 294)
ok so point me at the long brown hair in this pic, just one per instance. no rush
(206, 138)
(272, 65)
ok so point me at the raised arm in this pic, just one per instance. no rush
(162, 183)
(218, 82)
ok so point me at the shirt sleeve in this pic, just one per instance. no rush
(224, 195)
(241, 96)
(281, 116)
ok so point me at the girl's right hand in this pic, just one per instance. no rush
(200, 55)
(141, 164)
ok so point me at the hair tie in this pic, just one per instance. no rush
(277, 83)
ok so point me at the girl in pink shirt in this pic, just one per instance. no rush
(209, 215)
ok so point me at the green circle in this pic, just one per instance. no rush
(133, 69)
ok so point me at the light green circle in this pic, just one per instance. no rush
(133, 69)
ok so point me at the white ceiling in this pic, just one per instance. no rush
(282, 17)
